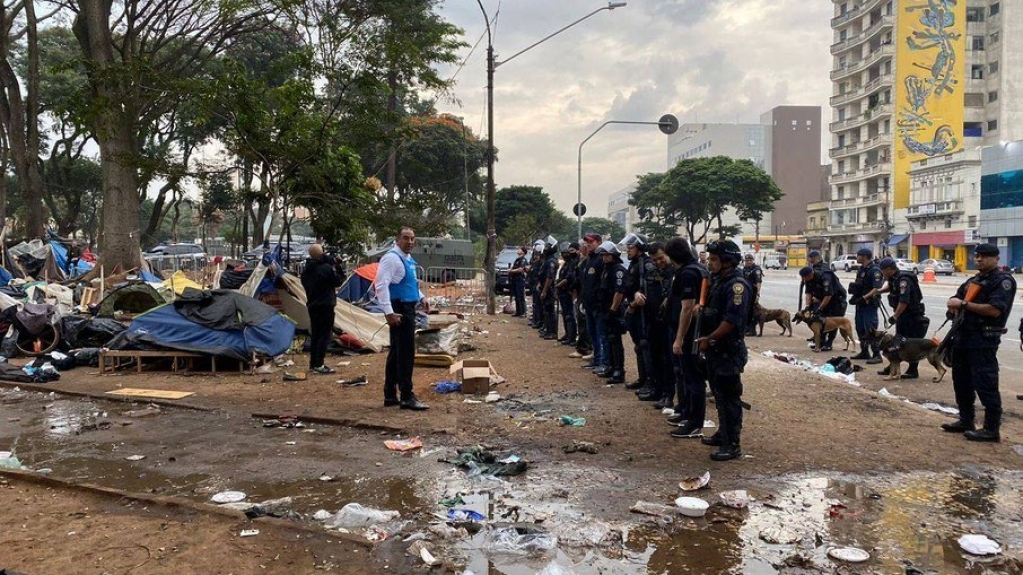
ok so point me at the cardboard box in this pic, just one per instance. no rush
(474, 375)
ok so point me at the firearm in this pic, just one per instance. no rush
(971, 293)
(699, 317)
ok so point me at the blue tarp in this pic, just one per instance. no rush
(355, 289)
(146, 276)
(59, 254)
(5, 277)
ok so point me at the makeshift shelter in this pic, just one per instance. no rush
(38, 260)
(270, 283)
(359, 284)
(133, 298)
(178, 282)
(86, 331)
(219, 322)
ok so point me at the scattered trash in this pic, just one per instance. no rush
(151, 410)
(779, 536)
(668, 411)
(135, 457)
(344, 363)
(285, 363)
(272, 508)
(418, 549)
(555, 569)
(479, 461)
(979, 545)
(520, 539)
(938, 407)
(568, 420)
(581, 447)
(452, 501)
(654, 510)
(492, 397)
(355, 515)
(404, 444)
(465, 515)
(322, 515)
(354, 382)
(738, 498)
(266, 368)
(510, 459)
(10, 462)
(285, 421)
(326, 477)
(470, 400)
(228, 497)
(447, 387)
(290, 443)
(849, 554)
(249, 532)
(692, 506)
(297, 376)
(694, 483)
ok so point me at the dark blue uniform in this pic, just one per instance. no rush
(903, 287)
(566, 278)
(518, 285)
(613, 280)
(826, 283)
(975, 347)
(690, 380)
(638, 324)
(754, 276)
(589, 282)
(868, 277)
(550, 309)
(583, 344)
(728, 301)
(660, 336)
(535, 267)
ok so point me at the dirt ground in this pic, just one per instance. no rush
(800, 422)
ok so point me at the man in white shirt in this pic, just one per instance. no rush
(398, 294)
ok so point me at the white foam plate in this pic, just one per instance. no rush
(692, 506)
(979, 545)
(228, 497)
(849, 554)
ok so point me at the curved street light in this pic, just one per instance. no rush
(492, 64)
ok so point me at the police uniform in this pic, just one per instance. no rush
(518, 285)
(690, 379)
(826, 283)
(589, 284)
(638, 324)
(566, 275)
(550, 309)
(583, 345)
(728, 300)
(911, 323)
(754, 276)
(535, 267)
(975, 346)
(661, 377)
(614, 280)
(868, 278)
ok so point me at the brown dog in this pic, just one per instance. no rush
(764, 315)
(908, 350)
(819, 327)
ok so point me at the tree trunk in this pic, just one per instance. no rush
(392, 153)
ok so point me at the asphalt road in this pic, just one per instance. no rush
(781, 290)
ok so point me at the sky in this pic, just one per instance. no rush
(701, 60)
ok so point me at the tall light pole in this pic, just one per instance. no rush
(492, 64)
(667, 124)
(465, 178)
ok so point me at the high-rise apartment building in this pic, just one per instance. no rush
(965, 60)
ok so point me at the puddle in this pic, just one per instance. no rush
(902, 520)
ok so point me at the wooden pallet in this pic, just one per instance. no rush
(112, 359)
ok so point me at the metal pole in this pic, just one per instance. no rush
(488, 260)
(465, 178)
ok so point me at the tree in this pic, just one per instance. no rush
(605, 227)
(73, 192)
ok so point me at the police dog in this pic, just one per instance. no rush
(763, 315)
(819, 326)
(897, 349)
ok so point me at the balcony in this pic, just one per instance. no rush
(860, 201)
(876, 142)
(843, 150)
(881, 81)
(871, 114)
(853, 227)
(840, 99)
(940, 208)
(844, 177)
(885, 51)
(878, 168)
(843, 18)
(870, 32)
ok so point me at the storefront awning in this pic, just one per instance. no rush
(897, 239)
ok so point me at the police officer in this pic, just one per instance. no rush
(655, 309)
(723, 325)
(863, 294)
(640, 268)
(548, 297)
(827, 297)
(907, 303)
(754, 276)
(614, 285)
(517, 278)
(583, 347)
(533, 277)
(690, 381)
(565, 287)
(589, 284)
(985, 302)
(815, 263)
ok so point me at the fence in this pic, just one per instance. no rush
(462, 290)
(173, 263)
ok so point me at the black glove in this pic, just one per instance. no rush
(891, 320)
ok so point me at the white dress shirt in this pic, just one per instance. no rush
(391, 271)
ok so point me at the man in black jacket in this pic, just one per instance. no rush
(320, 281)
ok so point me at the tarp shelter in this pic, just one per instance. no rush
(179, 282)
(219, 322)
(37, 260)
(133, 298)
(360, 283)
(270, 280)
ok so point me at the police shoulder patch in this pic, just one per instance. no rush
(737, 288)
(619, 274)
(1007, 284)
(737, 299)
(592, 271)
(903, 284)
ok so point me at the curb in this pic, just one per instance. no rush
(104, 397)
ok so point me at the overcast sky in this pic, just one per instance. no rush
(702, 60)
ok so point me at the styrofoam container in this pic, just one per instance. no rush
(692, 506)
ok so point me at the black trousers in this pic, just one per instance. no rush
(727, 391)
(693, 390)
(402, 354)
(321, 325)
(639, 331)
(567, 314)
(661, 372)
(582, 343)
(537, 317)
(615, 349)
(975, 376)
(519, 293)
(913, 326)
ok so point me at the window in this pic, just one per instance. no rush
(809, 122)
(974, 99)
(841, 141)
(974, 14)
(992, 126)
(843, 9)
(977, 71)
(995, 9)
(972, 221)
(841, 167)
(973, 129)
(994, 38)
(977, 43)
(923, 224)
(795, 122)
(843, 35)
(992, 96)
(992, 68)
(841, 115)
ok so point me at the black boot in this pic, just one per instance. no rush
(863, 354)
(726, 452)
(958, 426)
(617, 377)
(713, 440)
(992, 421)
(912, 372)
(885, 371)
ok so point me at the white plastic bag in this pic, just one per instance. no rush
(520, 540)
(354, 515)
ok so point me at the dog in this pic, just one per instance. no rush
(819, 326)
(897, 349)
(763, 315)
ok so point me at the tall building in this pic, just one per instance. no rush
(1001, 201)
(914, 81)
(620, 212)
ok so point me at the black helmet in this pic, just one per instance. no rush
(726, 250)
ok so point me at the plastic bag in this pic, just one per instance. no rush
(555, 569)
(520, 540)
(355, 515)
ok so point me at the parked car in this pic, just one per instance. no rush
(504, 262)
(845, 263)
(940, 266)
(906, 265)
(174, 250)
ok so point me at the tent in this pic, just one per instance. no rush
(219, 322)
(178, 282)
(270, 280)
(359, 284)
(38, 260)
(135, 297)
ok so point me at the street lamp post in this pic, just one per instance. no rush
(492, 64)
(668, 124)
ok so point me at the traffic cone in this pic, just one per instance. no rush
(929, 274)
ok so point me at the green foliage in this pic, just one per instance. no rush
(604, 227)
(695, 193)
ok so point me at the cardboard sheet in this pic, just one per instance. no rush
(155, 393)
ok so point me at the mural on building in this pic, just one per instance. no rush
(929, 73)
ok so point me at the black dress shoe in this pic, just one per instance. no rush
(714, 440)
(861, 355)
(654, 396)
(825, 348)
(550, 336)
(910, 376)
(648, 390)
(663, 403)
(635, 385)
(874, 361)
(958, 426)
(687, 432)
(413, 404)
(982, 435)
(726, 452)
(885, 371)
(677, 419)
(391, 402)
(617, 377)
(603, 372)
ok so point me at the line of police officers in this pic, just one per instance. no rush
(686, 321)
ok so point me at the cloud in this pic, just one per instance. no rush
(703, 60)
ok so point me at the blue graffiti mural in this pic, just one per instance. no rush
(935, 40)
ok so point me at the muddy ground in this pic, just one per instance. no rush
(904, 490)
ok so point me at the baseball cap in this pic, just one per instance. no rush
(986, 250)
(814, 254)
(888, 263)
(865, 253)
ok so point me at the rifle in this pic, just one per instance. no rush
(699, 317)
(971, 292)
